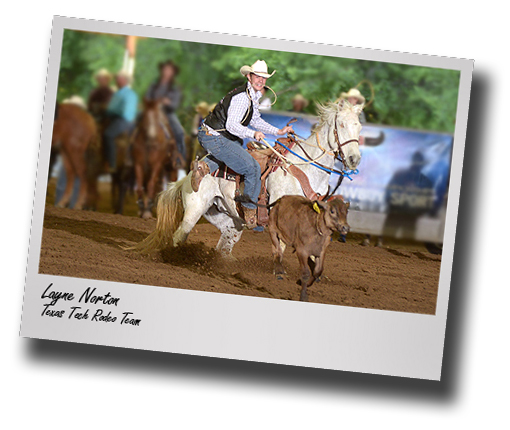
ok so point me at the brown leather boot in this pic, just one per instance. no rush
(200, 169)
(250, 217)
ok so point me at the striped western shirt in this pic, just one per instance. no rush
(239, 105)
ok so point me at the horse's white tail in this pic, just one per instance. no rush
(170, 212)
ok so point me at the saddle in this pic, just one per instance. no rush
(269, 162)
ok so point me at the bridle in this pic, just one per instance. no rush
(339, 153)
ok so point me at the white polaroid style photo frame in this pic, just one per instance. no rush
(235, 326)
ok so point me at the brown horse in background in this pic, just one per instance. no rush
(153, 149)
(121, 178)
(74, 131)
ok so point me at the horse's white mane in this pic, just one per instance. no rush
(328, 111)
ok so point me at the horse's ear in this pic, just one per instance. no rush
(341, 104)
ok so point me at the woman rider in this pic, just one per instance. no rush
(223, 132)
(170, 96)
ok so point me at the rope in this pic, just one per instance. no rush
(275, 95)
(372, 91)
(343, 172)
(319, 145)
(286, 160)
(303, 140)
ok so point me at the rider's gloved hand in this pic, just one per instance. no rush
(259, 136)
(285, 130)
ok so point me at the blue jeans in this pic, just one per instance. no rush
(178, 131)
(116, 128)
(61, 187)
(221, 149)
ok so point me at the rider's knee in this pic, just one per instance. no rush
(255, 167)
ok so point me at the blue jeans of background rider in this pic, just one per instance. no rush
(116, 128)
(61, 186)
(178, 131)
(237, 158)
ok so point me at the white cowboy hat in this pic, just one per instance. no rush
(300, 98)
(124, 74)
(203, 108)
(75, 100)
(353, 92)
(258, 68)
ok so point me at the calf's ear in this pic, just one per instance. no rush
(348, 205)
(322, 204)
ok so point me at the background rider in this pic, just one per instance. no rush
(122, 111)
(165, 90)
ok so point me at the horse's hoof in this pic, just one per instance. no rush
(279, 277)
(229, 257)
(304, 297)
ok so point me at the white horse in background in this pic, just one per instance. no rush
(180, 208)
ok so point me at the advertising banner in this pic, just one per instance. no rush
(402, 185)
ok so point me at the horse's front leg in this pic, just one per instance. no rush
(139, 174)
(151, 189)
(80, 168)
(230, 235)
(66, 197)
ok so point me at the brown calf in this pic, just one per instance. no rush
(307, 226)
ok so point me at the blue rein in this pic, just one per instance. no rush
(344, 173)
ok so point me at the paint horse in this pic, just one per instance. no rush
(179, 208)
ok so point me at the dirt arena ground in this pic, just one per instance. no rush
(400, 276)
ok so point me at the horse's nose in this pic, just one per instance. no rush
(345, 229)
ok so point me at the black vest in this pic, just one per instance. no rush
(217, 119)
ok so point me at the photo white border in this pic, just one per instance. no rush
(240, 327)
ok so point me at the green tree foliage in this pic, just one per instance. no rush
(406, 96)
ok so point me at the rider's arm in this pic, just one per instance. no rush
(175, 96)
(149, 94)
(259, 124)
